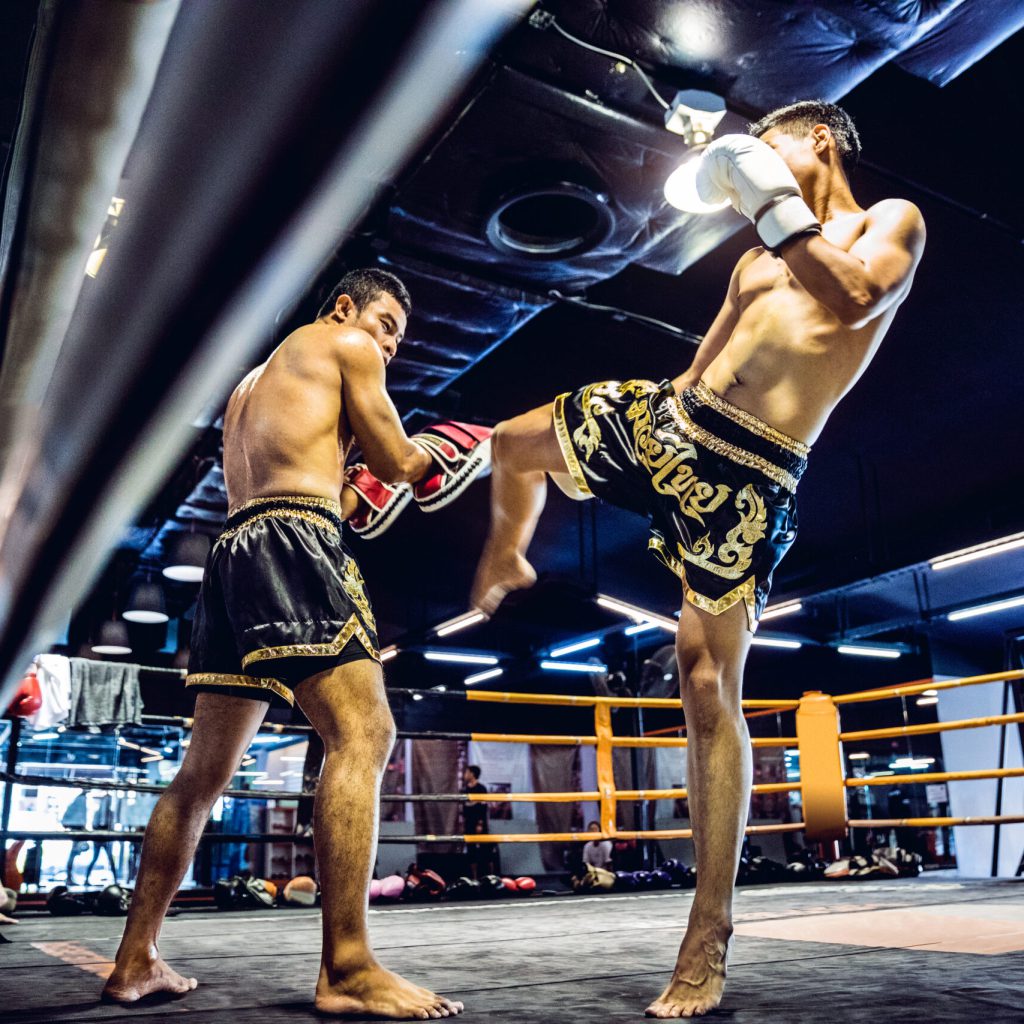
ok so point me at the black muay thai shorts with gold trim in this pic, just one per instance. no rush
(717, 484)
(282, 599)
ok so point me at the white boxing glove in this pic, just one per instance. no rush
(756, 180)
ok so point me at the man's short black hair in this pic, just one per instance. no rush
(800, 118)
(475, 769)
(365, 285)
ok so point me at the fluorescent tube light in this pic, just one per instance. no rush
(491, 673)
(579, 645)
(462, 659)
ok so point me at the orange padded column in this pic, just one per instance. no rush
(821, 767)
(605, 767)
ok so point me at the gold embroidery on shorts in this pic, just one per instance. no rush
(309, 500)
(733, 557)
(224, 679)
(748, 420)
(282, 513)
(666, 462)
(745, 592)
(352, 581)
(572, 463)
(729, 451)
(352, 628)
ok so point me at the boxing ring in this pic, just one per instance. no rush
(817, 736)
(605, 955)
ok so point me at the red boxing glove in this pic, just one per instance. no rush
(461, 452)
(28, 699)
(379, 503)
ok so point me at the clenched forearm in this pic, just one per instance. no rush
(839, 281)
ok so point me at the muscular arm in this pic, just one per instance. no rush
(720, 330)
(861, 284)
(388, 452)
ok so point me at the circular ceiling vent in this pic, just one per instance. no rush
(550, 222)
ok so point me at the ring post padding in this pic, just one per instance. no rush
(821, 767)
(605, 767)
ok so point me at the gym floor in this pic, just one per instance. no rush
(922, 950)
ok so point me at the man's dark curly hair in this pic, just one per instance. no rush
(365, 285)
(800, 118)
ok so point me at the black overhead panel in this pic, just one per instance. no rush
(533, 188)
(761, 55)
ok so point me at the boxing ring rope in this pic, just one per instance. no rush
(823, 783)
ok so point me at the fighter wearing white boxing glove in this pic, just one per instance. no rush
(758, 184)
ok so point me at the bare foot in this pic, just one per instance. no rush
(133, 980)
(699, 978)
(496, 576)
(374, 992)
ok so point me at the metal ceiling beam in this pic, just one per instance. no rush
(269, 133)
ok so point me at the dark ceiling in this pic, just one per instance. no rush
(921, 458)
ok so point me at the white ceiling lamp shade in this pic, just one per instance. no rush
(146, 604)
(188, 558)
(681, 189)
(695, 114)
(112, 639)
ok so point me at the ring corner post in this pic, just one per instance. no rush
(821, 767)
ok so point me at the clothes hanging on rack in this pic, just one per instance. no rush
(104, 693)
(54, 674)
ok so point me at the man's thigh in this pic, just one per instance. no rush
(529, 444)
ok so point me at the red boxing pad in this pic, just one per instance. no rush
(28, 699)
(525, 884)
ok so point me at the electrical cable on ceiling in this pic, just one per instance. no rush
(627, 315)
(608, 53)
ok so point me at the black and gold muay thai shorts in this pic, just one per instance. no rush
(717, 484)
(282, 599)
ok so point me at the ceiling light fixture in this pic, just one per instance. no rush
(971, 554)
(638, 615)
(146, 604)
(869, 652)
(188, 558)
(775, 612)
(459, 622)
(113, 639)
(925, 701)
(695, 114)
(573, 666)
(986, 609)
(640, 627)
(388, 653)
(461, 659)
(859, 755)
(491, 673)
(579, 645)
(681, 189)
(767, 641)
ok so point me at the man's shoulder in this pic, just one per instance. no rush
(334, 339)
(895, 212)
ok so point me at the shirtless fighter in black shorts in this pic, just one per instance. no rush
(713, 458)
(283, 614)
